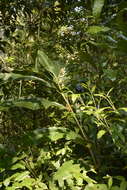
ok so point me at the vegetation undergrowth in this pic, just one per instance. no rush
(63, 95)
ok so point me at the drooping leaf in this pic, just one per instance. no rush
(14, 76)
(47, 103)
(31, 103)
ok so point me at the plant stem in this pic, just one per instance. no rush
(86, 138)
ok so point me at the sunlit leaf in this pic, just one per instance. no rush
(97, 29)
(66, 171)
(100, 133)
(21, 176)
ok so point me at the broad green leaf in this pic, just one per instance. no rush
(47, 103)
(97, 7)
(7, 181)
(124, 109)
(74, 97)
(29, 104)
(44, 61)
(33, 104)
(115, 188)
(96, 187)
(27, 182)
(97, 29)
(14, 76)
(4, 108)
(121, 20)
(18, 166)
(67, 171)
(100, 134)
(21, 176)
(55, 133)
(110, 182)
(123, 185)
(52, 186)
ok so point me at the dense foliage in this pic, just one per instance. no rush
(63, 94)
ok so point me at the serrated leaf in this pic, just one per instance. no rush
(97, 7)
(100, 134)
(97, 29)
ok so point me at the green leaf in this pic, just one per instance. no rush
(123, 185)
(124, 109)
(66, 172)
(100, 134)
(18, 166)
(14, 76)
(31, 103)
(110, 182)
(97, 29)
(47, 103)
(111, 74)
(97, 7)
(115, 188)
(121, 20)
(92, 186)
(44, 61)
(21, 176)
(55, 133)
(53, 186)
(7, 181)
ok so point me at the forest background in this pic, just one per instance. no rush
(63, 94)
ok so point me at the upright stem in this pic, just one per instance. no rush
(80, 127)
